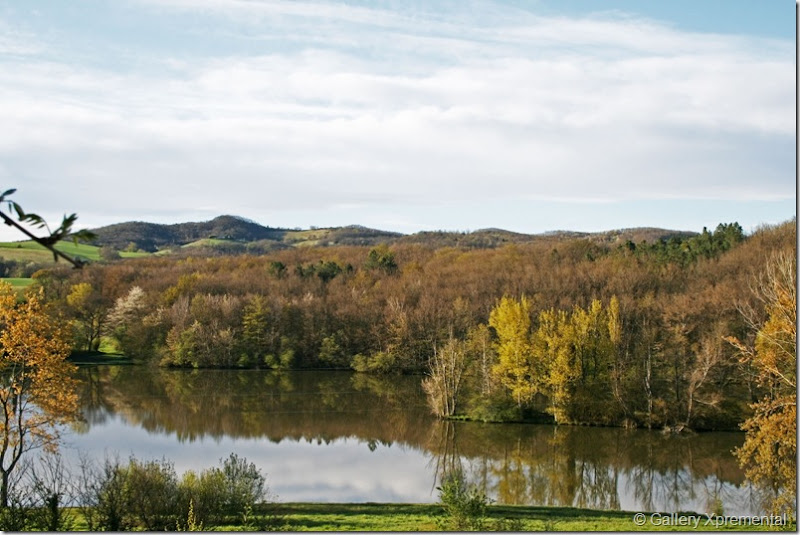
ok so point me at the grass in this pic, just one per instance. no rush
(98, 357)
(430, 517)
(30, 251)
(211, 242)
(19, 284)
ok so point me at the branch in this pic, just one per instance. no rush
(54, 237)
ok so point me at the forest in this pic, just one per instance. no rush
(566, 330)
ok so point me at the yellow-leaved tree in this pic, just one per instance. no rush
(517, 367)
(37, 387)
(769, 453)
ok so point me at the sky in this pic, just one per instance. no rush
(527, 115)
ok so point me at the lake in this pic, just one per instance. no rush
(344, 437)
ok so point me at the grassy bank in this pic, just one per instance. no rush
(430, 517)
(98, 357)
(359, 517)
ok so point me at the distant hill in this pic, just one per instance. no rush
(232, 235)
(492, 237)
(229, 234)
(153, 236)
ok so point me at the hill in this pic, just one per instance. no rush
(232, 234)
(153, 236)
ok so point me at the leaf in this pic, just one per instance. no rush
(84, 236)
(19, 210)
(7, 192)
(34, 219)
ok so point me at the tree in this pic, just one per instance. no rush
(37, 390)
(381, 258)
(769, 453)
(445, 376)
(553, 342)
(516, 366)
(257, 335)
(125, 323)
(90, 315)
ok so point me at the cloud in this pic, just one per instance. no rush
(339, 105)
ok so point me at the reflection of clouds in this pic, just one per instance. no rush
(344, 470)
(330, 457)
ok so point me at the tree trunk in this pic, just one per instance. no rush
(4, 490)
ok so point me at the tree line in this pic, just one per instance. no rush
(567, 330)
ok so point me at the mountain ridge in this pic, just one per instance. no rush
(232, 231)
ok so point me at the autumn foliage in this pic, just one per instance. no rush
(562, 328)
(37, 390)
(769, 454)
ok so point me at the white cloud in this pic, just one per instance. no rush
(518, 107)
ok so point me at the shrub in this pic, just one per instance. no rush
(246, 486)
(380, 362)
(465, 505)
(102, 496)
(151, 490)
(233, 488)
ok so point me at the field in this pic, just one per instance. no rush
(30, 251)
(430, 517)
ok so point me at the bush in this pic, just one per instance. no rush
(465, 505)
(148, 495)
(380, 362)
(246, 486)
(203, 495)
(102, 496)
(234, 488)
(151, 490)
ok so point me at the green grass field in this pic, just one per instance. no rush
(30, 251)
(19, 284)
(430, 517)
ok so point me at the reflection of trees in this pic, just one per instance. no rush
(510, 472)
(92, 400)
(446, 459)
(534, 464)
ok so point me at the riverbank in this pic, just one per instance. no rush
(98, 357)
(430, 517)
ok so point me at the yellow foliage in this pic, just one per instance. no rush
(37, 390)
(769, 453)
(516, 368)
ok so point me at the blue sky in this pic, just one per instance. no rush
(526, 115)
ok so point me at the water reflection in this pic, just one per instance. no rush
(337, 436)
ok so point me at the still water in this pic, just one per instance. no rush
(343, 437)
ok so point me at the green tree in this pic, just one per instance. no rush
(381, 258)
(90, 313)
(257, 336)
